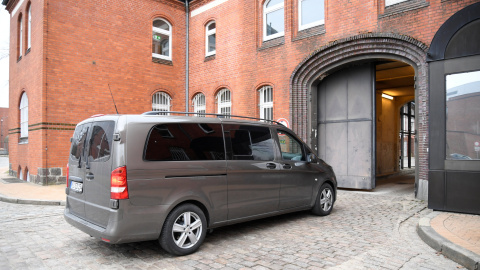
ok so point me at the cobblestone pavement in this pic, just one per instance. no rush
(366, 230)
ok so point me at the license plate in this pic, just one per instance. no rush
(76, 186)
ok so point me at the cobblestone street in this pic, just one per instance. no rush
(366, 230)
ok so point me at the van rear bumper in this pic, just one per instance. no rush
(134, 224)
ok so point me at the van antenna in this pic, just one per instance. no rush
(112, 98)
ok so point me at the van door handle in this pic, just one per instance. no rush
(89, 176)
(287, 166)
(271, 165)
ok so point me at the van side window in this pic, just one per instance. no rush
(290, 147)
(101, 141)
(249, 143)
(183, 142)
(78, 142)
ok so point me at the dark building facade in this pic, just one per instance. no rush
(354, 79)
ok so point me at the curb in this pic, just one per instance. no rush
(452, 251)
(32, 202)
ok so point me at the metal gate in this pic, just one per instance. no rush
(346, 109)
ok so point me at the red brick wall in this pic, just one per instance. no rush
(26, 76)
(4, 127)
(113, 48)
(243, 66)
(77, 52)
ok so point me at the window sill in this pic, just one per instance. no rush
(19, 58)
(162, 61)
(403, 7)
(209, 58)
(29, 49)
(23, 140)
(272, 43)
(310, 32)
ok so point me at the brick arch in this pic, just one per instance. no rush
(332, 56)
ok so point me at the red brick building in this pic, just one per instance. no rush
(321, 65)
(3, 129)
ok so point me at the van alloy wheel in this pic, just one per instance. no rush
(187, 230)
(325, 200)
(184, 230)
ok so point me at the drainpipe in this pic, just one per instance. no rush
(187, 42)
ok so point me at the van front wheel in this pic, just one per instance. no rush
(324, 202)
(184, 230)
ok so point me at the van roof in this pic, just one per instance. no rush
(151, 117)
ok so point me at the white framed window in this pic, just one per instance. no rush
(210, 38)
(161, 102)
(20, 36)
(24, 116)
(224, 102)
(162, 39)
(266, 102)
(393, 2)
(199, 104)
(29, 28)
(273, 19)
(310, 13)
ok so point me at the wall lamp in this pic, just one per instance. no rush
(387, 96)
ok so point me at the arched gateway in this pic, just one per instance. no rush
(354, 60)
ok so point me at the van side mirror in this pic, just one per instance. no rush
(311, 158)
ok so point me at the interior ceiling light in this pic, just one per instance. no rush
(387, 96)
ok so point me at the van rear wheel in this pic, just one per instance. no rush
(184, 230)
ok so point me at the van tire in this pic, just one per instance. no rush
(324, 202)
(190, 229)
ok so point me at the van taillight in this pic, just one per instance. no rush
(68, 173)
(118, 182)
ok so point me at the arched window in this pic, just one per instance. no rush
(162, 39)
(266, 102)
(24, 116)
(161, 102)
(310, 13)
(29, 27)
(210, 38)
(199, 104)
(224, 102)
(273, 22)
(20, 36)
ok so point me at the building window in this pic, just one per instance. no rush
(224, 102)
(462, 113)
(266, 102)
(393, 2)
(210, 39)
(273, 23)
(20, 37)
(24, 116)
(161, 102)
(199, 104)
(29, 27)
(311, 13)
(162, 39)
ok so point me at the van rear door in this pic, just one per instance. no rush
(98, 169)
(76, 164)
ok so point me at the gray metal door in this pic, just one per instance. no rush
(346, 127)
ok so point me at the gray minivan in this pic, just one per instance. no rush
(144, 177)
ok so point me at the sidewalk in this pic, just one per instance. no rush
(457, 236)
(13, 190)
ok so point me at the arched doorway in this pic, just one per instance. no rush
(337, 104)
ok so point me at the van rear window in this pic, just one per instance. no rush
(78, 142)
(183, 142)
